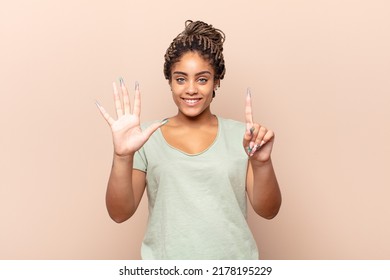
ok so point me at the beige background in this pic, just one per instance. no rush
(319, 72)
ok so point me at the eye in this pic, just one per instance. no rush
(203, 80)
(180, 80)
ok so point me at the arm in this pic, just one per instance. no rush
(126, 185)
(124, 189)
(262, 186)
(263, 189)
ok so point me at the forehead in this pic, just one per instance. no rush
(192, 62)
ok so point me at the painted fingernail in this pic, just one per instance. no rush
(251, 130)
(97, 103)
(255, 148)
(136, 85)
(164, 121)
(122, 83)
(248, 92)
(262, 143)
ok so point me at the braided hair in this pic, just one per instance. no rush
(198, 37)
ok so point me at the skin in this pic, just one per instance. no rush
(192, 130)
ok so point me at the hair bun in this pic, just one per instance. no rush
(201, 37)
(200, 28)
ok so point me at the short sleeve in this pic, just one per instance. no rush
(140, 162)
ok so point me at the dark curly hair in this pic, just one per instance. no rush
(199, 37)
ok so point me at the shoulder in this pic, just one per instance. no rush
(229, 124)
(232, 133)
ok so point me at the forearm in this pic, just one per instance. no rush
(120, 200)
(266, 196)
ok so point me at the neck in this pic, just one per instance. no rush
(206, 118)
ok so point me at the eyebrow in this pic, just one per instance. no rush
(197, 74)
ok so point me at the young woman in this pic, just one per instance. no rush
(197, 167)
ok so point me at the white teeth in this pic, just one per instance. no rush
(191, 101)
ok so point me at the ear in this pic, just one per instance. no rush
(216, 84)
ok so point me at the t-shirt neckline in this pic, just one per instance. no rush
(201, 152)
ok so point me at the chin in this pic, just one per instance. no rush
(193, 113)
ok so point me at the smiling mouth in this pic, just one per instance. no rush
(191, 101)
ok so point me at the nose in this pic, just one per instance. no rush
(192, 88)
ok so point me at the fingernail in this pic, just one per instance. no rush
(254, 150)
(249, 150)
(136, 85)
(262, 143)
(122, 83)
(248, 92)
(251, 130)
(97, 103)
(164, 121)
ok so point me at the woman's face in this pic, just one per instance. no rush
(192, 83)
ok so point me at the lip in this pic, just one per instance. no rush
(191, 101)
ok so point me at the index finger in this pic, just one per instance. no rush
(248, 108)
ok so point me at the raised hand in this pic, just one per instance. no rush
(126, 131)
(258, 140)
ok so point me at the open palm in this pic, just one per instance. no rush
(127, 134)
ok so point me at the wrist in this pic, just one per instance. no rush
(123, 158)
(261, 164)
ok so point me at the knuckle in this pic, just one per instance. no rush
(270, 134)
(263, 129)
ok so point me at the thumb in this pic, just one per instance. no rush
(153, 127)
(248, 135)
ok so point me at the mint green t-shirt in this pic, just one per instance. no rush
(197, 202)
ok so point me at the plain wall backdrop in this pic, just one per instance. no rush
(320, 78)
